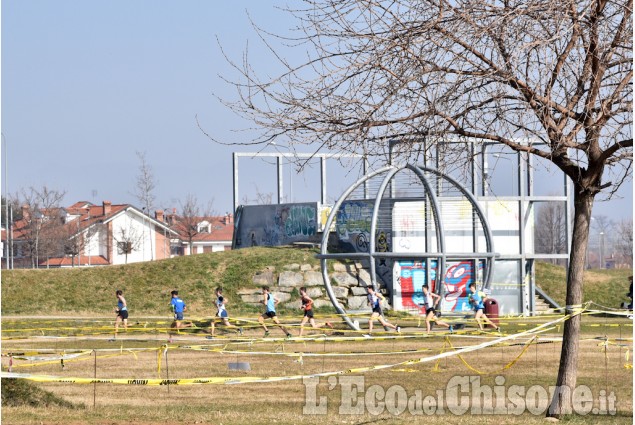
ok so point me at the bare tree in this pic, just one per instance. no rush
(128, 240)
(624, 243)
(550, 78)
(42, 223)
(261, 198)
(144, 189)
(192, 214)
(550, 236)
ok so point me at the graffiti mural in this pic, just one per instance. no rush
(275, 225)
(410, 276)
(353, 217)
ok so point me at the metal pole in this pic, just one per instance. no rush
(10, 237)
(279, 162)
(323, 179)
(6, 204)
(235, 170)
(95, 381)
(167, 368)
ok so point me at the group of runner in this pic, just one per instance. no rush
(375, 298)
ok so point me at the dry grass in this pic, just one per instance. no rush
(282, 402)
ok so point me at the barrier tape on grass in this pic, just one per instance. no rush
(253, 379)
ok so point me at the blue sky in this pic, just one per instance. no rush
(87, 84)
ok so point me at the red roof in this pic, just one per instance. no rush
(88, 213)
(81, 260)
(222, 228)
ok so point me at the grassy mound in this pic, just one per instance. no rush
(18, 392)
(605, 287)
(147, 286)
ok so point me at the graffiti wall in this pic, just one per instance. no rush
(274, 225)
(410, 276)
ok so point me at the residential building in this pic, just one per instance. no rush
(197, 235)
(84, 234)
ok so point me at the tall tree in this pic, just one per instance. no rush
(192, 214)
(144, 189)
(550, 229)
(550, 78)
(624, 242)
(42, 222)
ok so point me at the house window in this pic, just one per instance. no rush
(204, 227)
(124, 247)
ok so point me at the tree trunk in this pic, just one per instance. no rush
(561, 404)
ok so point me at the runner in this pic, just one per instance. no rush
(221, 311)
(122, 311)
(374, 300)
(430, 304)
(178, 308)
(307, 306)
(477, 300)
(270, 313)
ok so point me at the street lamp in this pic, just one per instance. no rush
(7, 254)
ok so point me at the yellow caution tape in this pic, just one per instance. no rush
(253, 379)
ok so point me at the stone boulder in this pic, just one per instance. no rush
(251, 299)
(263, 278)
(314, 292)
(359, 290)
(340, 267)
(344, 279)
(363, 277)
(357, 302)
(313, 279)
(290, 279)
(340, 292)
(295, 304)
(282, 296)
(322, 303)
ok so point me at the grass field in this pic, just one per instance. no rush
(192, 356)
(83, 300)
(147, 286)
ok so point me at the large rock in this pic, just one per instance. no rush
(263, 278)
(356, 303)
(295, 304)
(340, 292)
(305, 267)
(344, 279)
(322, 303)
(314, 292)
(290, 279)
(249, 291)
(282, 296)
(340, 267)
(363, 277)
(313, 279)
(288, 289)
(251, 299)
(359, 290)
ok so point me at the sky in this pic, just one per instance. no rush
(88, 84)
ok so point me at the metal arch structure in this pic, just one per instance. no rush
(372, 254)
